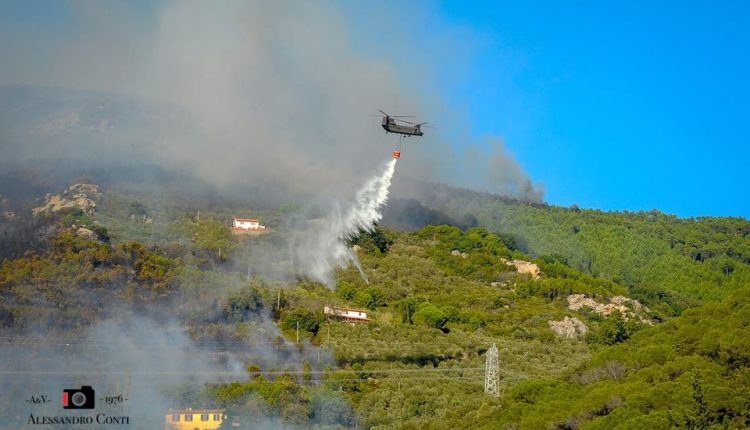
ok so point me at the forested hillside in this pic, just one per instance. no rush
(654, 254)
(602, 320)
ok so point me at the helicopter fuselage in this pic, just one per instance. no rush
(390, 126)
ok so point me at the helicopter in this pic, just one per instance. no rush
(390, 125)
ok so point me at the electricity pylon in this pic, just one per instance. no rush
(492, 373)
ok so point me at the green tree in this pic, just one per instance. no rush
(213, 237)
(407, 306)
(430, 315)
(307, 320)
(241, 305)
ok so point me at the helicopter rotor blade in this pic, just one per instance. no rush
(395, 116)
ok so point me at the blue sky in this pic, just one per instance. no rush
(612, 105)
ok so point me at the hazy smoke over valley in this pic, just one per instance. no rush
(146, 372)
(116, 359)
(271, 94)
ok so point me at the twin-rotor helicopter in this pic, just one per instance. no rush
(393, 124)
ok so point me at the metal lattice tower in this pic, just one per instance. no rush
(492, 373)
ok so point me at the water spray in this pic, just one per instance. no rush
(326, 248)
(365, 211)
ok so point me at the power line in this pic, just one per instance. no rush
(209, 346)
(145, 345)
(424, 378)
(23, 340)
(230, 373)
(59, 341)
(468, 379)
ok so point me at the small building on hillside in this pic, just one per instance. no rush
(249, 224)
(194, 419)
(347, 314)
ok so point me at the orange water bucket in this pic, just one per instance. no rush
(397, 154)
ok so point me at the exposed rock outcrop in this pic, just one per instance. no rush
(77, 196)
(457, 253)
(505, 284)
(86, 233)
(569, 327)
(524, 267)
(622, 301)
(627, 307)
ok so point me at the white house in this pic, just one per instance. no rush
(347, 314)
(247, 224)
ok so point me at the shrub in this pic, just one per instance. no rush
(431, 316)
(308, 321)
(241, 305)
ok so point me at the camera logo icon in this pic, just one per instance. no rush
(78, 399)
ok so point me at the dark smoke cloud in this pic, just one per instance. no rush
(496, 171)
(235, 92)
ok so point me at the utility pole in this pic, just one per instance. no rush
(492, 373)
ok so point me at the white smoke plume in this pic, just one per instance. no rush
(266, 93)
(323, 247)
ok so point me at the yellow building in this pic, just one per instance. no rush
(194, 419)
